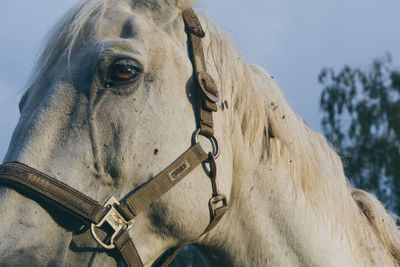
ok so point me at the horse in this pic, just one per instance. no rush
(110, 104)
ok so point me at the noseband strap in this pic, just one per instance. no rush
(120, 216)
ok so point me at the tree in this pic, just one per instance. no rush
(361, 118)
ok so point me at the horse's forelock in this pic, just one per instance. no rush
(66, 34)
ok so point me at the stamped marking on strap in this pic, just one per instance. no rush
(178, 171)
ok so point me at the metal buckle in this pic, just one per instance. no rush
(115, 220)
(208, 86)
(213, 204)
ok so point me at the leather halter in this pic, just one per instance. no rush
(120, 216)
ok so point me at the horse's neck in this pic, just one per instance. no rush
(271, 220)
(270, 224)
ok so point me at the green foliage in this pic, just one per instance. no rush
(361, 118)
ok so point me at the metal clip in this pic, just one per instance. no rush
(115, 220)
(208, 86)
(213, 204)
(213, 175)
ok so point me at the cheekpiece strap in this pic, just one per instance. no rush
(207, 93)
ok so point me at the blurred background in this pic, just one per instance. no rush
(336, 62)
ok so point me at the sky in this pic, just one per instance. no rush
(293, 40)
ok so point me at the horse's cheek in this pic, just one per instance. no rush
(29, 236)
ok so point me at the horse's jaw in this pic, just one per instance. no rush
(22, 245)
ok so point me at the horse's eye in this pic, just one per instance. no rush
(122, 72)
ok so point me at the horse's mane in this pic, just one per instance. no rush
(276, 135)
(273, 132)
(62, 38)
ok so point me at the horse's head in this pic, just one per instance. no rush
(110, 105)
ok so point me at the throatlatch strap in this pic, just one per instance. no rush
(219, 213)
(37, 184)
(164, 181)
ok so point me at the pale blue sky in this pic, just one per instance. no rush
(292, 39)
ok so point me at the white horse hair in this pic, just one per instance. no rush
(290, 202)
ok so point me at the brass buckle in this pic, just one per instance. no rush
(214, 201)
(208, 86)
(115, 220)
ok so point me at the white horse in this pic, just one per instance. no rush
(289, 201)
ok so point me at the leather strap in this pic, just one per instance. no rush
(219, 213)
(204, 82)
(164, 181)
(33, 182)
(124, 244)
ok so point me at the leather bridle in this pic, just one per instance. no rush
(120, 216)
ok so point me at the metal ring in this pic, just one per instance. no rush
(213, 139)
(207, 86)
